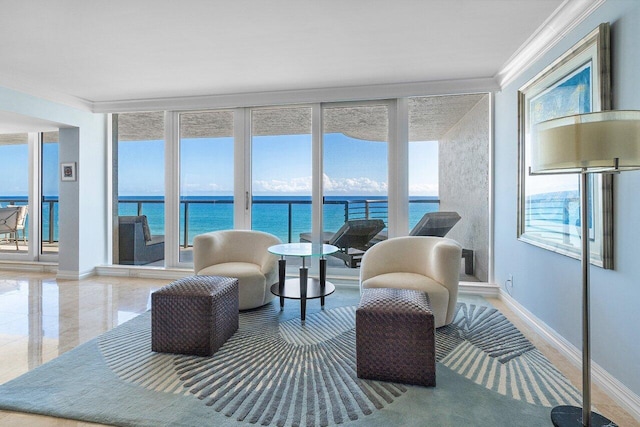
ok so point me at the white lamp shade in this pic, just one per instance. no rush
(592, 142)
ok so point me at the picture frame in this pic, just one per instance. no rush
(68, 171)
(579, 81)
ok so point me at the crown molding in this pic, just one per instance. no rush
(42, 92)
(337, 94)
(564, 19)
(555, 28)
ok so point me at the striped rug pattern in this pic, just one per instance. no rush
(483, 346)
(290, 373)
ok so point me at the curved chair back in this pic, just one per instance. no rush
(435, 257)
(218, 247)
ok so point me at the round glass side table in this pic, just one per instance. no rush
(304, 287)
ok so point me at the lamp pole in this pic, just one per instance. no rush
(586, 311)
(571, 416)
(600, 142)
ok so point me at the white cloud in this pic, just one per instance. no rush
(423, 190)
(294, 185)
(361, 185)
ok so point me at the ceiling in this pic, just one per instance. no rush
(97, 54)
(116, 50)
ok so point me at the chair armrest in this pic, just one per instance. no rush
(444, 267)
(204, 246)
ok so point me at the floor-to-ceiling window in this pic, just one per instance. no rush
(14, 191)
(355, 174)
(281, 171)
(423, 159)
(141, 179)
(288, 170)
(206, 175)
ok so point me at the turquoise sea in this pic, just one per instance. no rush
(283, 216)
(288, 216)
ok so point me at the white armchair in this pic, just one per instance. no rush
(242, 254)
(428, 264)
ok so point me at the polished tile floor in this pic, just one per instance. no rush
(41, 318)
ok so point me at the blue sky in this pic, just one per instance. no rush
(281, 165)
(14, 172)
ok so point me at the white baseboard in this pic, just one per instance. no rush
(75, 275)
(37, 267)
(479, 288)
(623, 396)
(143, 272)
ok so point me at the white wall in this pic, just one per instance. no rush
(82, 210)
(548, 284)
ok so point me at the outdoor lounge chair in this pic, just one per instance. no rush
(352, 239)
(436, 224)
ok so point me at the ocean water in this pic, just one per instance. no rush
(285, 217)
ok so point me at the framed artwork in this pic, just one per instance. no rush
(549, 206)
(68, 172)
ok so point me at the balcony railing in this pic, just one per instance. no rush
(349, 208)
(154, 209)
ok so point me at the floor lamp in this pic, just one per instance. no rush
(603, 142)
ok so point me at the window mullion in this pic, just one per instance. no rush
(242, 169)
(172, 189)
(398, 168)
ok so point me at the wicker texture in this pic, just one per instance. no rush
(194, 315)
(395, 337)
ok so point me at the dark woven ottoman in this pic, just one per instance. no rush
(395, 338)
(194, 315)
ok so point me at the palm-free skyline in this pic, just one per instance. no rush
(281, 165)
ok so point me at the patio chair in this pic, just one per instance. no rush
(12, 220)
(353, 239)
(436, 224)
(136, 244)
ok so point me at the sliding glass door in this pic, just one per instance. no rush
(281, 171)
(29, 203)
(14, 195)
(206, 175)
(423, 158)
(355, 177)
(140, 187)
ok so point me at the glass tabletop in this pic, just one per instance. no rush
(302, 249)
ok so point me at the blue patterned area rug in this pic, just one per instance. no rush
(278, 372)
